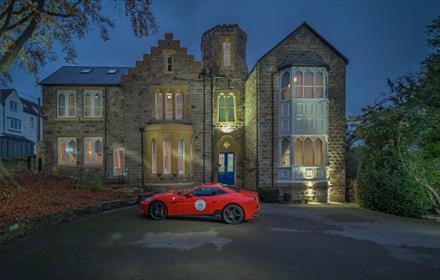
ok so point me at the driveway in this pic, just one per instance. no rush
(286, 242)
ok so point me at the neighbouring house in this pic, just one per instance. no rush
(171, 121)
(18, 125)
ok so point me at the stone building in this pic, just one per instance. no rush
(171, 121)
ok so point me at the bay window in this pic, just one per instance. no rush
(285, 86)
(153, 157)
(159, 104)
(166, 157)
(169, 106)
(181, 157)
(178, 106)
(285, 152)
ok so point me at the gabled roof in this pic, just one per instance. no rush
(306, 25)
(29, 107)
(4, 93)
(86, 75)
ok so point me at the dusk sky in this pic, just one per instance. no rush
(382, 39)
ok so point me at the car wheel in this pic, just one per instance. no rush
(158, 211)
(232, 214)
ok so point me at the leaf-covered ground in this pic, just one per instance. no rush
(46, 195)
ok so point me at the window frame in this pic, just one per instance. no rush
(67, 141)
(169, 157)
(14, 125)
(159, 106)
(227, 54)
(181, 157)
(92, 106)
(93, 141)
(171, 104)
(226, 108)
(181, 106)
(67, 106)
(169, 63)
(115, 151)
(294, 87)
(154, 157)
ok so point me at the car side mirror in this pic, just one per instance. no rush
(188, 195)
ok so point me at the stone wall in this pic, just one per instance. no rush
(251, 130)
(302, 47)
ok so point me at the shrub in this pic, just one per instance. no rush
(269, 194)
(385, 185)
(95, 183)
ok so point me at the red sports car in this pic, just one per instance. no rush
(233, 206)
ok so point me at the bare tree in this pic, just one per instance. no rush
(30, 28)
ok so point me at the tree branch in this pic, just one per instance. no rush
(8, 57)
(8, 13)
(17, 23)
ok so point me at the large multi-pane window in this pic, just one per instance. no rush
(173, 107)
(226, 107)
(166, 151)
(181, 157)
(309, 82)
(92, 103)
(226, 54)
(14, 124)
(93, 150)
(66, 103)
(308, 152)
(67, 150)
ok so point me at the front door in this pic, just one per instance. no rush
(226, 168)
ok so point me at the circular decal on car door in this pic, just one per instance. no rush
(200, 205)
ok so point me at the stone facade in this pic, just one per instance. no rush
(214, 133)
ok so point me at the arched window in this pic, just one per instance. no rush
(221, 108)
(308, 152)
(98, 151)
(181, 157)
(298, 84)
(87, 105)
(66, 106)
(231, 107)
(169, 106)
(159, 104)
(319, 85)
(298, 152)
(93, 150)
(92, 103)
(118, 162)
(285, 152)
(153, 157)
(308, 84)
(285, 86)
(179, 106)
(226, 54)
(166, 157)
(319, 161)
(61, 104)
(71, 154)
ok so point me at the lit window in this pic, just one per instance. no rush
(67, 150)
(309, 82)
(297, 152)
(285, 86)
(66, 103)
(308, 152)
(179, 106)
(226, 54)
(159, 104)
(93, 150)
(318, 153)
(181, 157)
(168, 63)
(226, 108)
(153, 157)
(93, 103)
(221, 108)
(166, 157)
(169, 106)
(285, 152)
(118, 162)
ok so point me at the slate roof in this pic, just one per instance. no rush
(4, 93)
(98, 75)
(29, 107)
